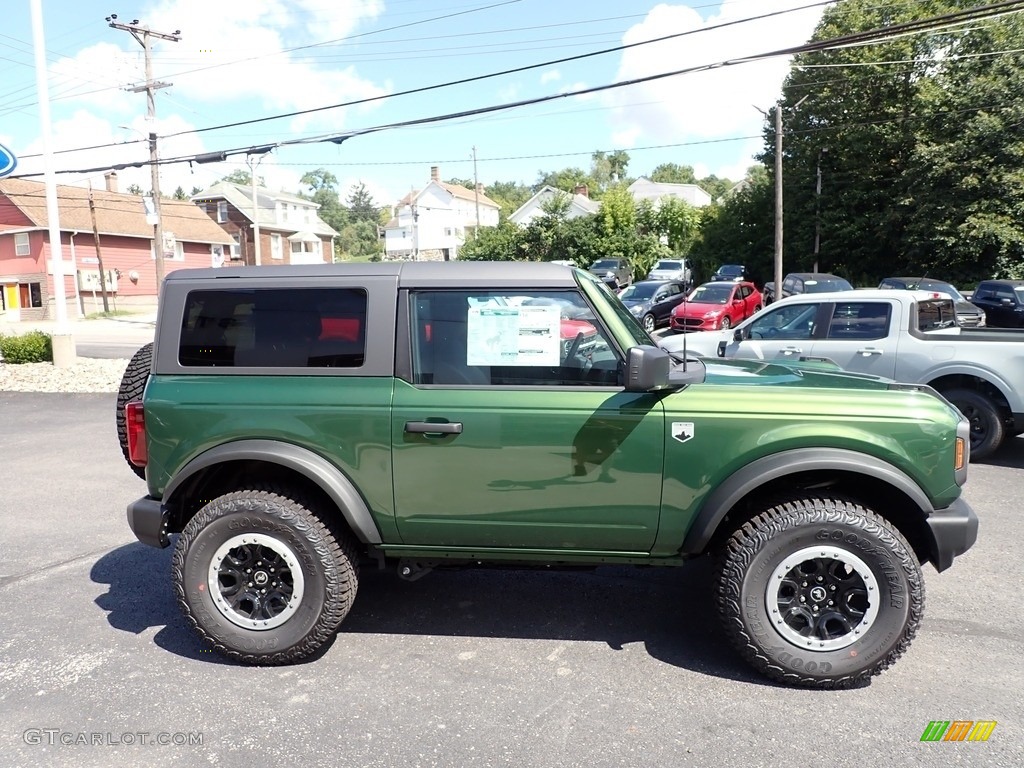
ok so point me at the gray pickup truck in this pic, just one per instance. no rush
(909, 336)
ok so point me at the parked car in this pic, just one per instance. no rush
(967, 314)
(672, 269)
(652, 301)
(806, 282)
(1002, 301)
(909, 336)
(715, 306)
(732, 273)
(616, 272)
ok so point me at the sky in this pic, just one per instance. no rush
(244, 60)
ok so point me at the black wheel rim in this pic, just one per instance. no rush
(822, 598)
(255, 581)
(979, 427)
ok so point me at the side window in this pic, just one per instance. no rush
(533, 338)
(274, 328)
(860, 320)
(789, 284)
(793, 322)
(983, 292)
(673, 290)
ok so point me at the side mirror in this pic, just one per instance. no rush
(647, 368)
(737, 335)
(1006, 302)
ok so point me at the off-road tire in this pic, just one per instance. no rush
(768, 546)
(325, 561)
(133, 382)
(987, 428)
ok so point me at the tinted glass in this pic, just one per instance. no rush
(860, 320)
(547, 338)
(669, 265)
(712, 294)
(826, 286)
(730, 270)
(639, 291)
(274, 328)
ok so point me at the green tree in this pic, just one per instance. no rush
(673, 173)
(361, 206)
(510, 195)
(195, 191)
(324, 188)
(179, 193)
(358, 240)
(500, 243)
(135, 189)
(715, 186)
(566, 179)
(244, 178)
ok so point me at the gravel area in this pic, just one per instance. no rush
(86, 375)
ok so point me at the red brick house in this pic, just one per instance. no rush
(291, 231)
(126, 247)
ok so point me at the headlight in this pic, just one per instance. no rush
(637, 309)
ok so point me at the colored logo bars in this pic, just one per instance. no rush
(958, 730)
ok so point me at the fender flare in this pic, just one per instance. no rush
(976, 371)
(767, 468)
(302, 460)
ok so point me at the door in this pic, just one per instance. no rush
(505, 436)
(859, 337)
(783, 332)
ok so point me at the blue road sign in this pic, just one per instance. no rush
(8, 162)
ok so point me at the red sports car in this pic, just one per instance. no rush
(713, 306)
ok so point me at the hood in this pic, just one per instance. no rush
(699, 308)
(821, 375)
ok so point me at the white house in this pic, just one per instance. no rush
(580, 204)
(645, 189)
(432, 224)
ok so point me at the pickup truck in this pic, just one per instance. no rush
(297, 424)
(909, 336)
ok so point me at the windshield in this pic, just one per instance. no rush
(826, 286)
(731, 270)
(711, 294)
(604, 264)
(639, 291)
(944, 288)
(669, 265)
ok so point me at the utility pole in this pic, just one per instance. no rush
(253, 165)
(476, 194)
(142, 35)
(99, 255)
(778, 201)
(817, 209)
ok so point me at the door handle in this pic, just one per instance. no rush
(792, 351)
(868, 352)
(434, 427)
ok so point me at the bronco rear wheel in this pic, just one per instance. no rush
(261, 577)
(133, 382)
(819, 592)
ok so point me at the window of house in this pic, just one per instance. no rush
(274, 328)
(21, 244)
(30, 295)
(532, 338)
(174, 249)
(236, 249)
(222, 211)
(276, 251)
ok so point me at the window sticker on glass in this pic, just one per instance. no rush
(513, 336)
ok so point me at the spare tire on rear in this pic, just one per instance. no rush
(132, 384)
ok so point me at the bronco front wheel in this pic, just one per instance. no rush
(261, 577)
(819, 592)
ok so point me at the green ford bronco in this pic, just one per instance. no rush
(296, 424)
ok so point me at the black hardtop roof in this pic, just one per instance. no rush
(1003, 282)
(410, 274)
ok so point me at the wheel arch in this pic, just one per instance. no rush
(860, 477)
(993, 390)
(221, 469)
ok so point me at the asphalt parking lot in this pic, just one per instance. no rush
(614, 667)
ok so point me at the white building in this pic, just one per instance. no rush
(645, 189)
(579, 202)
(434, 222)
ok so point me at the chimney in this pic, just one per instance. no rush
(581, 189)
(111, 178)
(435, 173)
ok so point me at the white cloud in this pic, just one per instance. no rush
(713, 104)
(550, 76)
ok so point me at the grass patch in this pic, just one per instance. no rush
(111, 313)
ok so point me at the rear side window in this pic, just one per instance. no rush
(860, 320)
(932, 315)
(274, 328)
